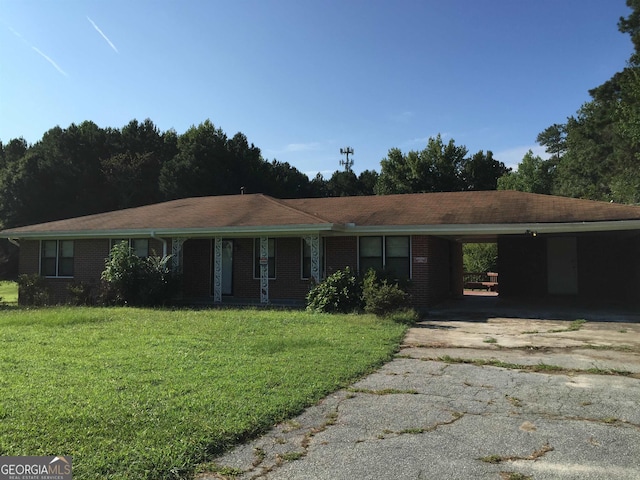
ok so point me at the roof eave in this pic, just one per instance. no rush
(491, 228)
(248, 231)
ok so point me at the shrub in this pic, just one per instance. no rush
(32, 290)
(380, 297)
(338, 293)
(129, 279)
(80, 293)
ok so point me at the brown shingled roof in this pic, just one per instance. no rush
(462, 208)
(259, 211)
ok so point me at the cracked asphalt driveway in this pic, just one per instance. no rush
(541, 400)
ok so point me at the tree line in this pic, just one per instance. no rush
(84, 169)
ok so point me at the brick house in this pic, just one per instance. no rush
(258, 249)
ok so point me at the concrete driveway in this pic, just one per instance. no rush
(474, 395)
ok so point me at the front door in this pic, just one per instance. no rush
(227, 267)
(562, 266)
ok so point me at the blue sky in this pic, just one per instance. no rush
(302, 78)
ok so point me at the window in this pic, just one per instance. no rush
(371, 254)
(56, 258)
(271, 259)
(140, 246)
(390, 254)
(306, 258)
(397, 257)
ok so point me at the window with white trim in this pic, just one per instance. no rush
(139, 246)
(271, 259)
(56, 258)
(390, 254)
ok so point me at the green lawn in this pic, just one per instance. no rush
(8, 292)
(140, 393)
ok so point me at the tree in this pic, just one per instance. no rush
(343, 183)
(367, 182)
(285, 181)
(436, 168)
(482, 171)
(533, 175)
(554, 138)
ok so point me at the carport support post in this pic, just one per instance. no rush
(217, 269)
(264, 270)
(457, 270)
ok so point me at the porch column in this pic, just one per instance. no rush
(176, 254)
(264, 270)
(217, 269)
(314, 243)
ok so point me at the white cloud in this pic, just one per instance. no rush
(402, 117)
(513, 156)
(422, 141)
(301, 147)
(103, 35)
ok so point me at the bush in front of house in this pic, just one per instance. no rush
(381, 297)
(32, 290)
(344, 292)
(338, 293)
(131, 280)
(80, 293)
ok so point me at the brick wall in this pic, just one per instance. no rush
(431, 270)
(341, 252)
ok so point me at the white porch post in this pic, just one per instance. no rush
(264, 270)
(217, 269)
(176, 254)
(314, 243)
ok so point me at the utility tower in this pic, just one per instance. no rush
(347, 163)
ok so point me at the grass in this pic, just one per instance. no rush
(539, 367)
(139, 393)
(573, 327)
(8, 292)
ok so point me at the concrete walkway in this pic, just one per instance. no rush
(566, 406)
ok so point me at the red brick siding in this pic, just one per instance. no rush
(288, 284)
(420, 271)
(29, 259)
(431, 273)
(341, 252)
(244, 286)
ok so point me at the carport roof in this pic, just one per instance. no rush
(444, 213)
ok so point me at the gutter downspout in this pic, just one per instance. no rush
(164, 243)
(14, 241)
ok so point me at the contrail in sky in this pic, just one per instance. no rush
(103, 35)
(50, 61)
